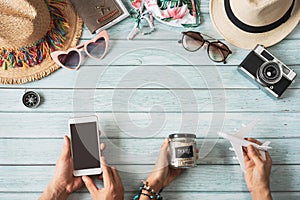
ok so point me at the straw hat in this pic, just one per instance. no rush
(245, 23)
(29, 31)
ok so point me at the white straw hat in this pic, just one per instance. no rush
(245, 23)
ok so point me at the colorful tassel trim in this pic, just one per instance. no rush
(34, 54)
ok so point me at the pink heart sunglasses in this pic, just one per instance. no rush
(71, 59)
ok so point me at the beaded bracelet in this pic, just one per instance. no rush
(145, 186)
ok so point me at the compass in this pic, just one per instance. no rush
(31, 99)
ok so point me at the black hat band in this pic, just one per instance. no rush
(256, 29)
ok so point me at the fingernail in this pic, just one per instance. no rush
(84, 178)
(103, 159)
(65, 141)
(250, 147)
(66, 138)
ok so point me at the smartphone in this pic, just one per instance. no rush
(85, 145)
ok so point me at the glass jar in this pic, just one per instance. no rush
(182, 150)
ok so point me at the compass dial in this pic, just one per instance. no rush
(31, 99)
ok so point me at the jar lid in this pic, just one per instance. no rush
(182, 135)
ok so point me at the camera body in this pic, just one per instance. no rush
(267, 71)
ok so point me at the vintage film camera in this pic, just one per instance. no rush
(266, 70)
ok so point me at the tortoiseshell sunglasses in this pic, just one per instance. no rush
(217, 51)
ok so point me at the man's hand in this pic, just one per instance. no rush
(257, 172)
(113, 188)
(63, 182)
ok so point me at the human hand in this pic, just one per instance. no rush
(162, 174)
(64, 182)
(113, 187)
(257, 172)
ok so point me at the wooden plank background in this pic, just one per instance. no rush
(142, 91)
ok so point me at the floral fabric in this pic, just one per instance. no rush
(173, 12)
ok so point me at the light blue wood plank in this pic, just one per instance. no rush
(162, 52)
(203, 178)
(151, 77)
(133, 151)
(175, 55)
(166, 195)
(143, 125)
(160, 101)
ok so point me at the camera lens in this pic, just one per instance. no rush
(270, 73)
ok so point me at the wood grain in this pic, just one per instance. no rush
(158, 52)
(144, 125)
(152, 77)
(164, 52)
(222, 178)
(166, 195)
(147, 100)
(134, 151)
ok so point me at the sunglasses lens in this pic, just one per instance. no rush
(70, 60)
(97, 49)
(217, 51)
(192, 42)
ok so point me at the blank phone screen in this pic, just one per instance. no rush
(85, 147)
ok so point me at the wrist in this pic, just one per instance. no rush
(148, 192)
(58, 190)
(54, 192)
(155, 184)
(263, 193)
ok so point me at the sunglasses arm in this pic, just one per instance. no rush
(211, 38)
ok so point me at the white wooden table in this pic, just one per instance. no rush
(143, 90)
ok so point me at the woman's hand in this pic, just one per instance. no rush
(162, 174)
(257, 172)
